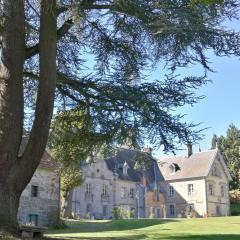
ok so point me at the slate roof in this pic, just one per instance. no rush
(197, 165)
(46, 162)
(115, 163)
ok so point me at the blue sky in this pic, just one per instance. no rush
(221, 105)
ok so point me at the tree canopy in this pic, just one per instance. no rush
(229, 146)
(106, 48)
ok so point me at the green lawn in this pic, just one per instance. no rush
(179, 229)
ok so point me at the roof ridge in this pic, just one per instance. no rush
(182, 156)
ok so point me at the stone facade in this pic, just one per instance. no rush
(179, 186)
(114, 183)
(200, 185)
(39, 202)
(89, 200)
(217, 188)
(155, 205)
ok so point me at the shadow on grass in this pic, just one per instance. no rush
(104, 226)
(159, 236)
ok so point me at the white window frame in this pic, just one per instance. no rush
(190, 189)
(171, 191)
(104, 190)
(123, 192)
(211, 189)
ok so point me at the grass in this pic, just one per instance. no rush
(222, 228)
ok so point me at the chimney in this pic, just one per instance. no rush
(189, 150)
(148, 150)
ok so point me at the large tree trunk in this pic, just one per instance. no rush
(9, 203)
(16, 171)
(11, 107)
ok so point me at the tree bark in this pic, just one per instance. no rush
(16, 171)
(31, 157)
(9, 202)
(11, 85)
(11, 107)
(66, 208)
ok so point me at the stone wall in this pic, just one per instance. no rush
(181, 199)
(44, 206)
(155, 205)
(218, 201)
(94, 204)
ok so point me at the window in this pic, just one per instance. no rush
(155, 195)
(172, 169)
(34, 191)
(218, 210)
(222, 190)
(89, 208)
(88, 188)
(171, 191)
(190, 189)
(105, 211)
(125, 169)
(123, 192)
(33, 219)
(191, 207)
(171, 210)
(211, 189)
(214, 170)
(131, 193)
(153, 212)
(104, 190)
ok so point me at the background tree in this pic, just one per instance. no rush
(229, 146)
(71, 141)
(95, 55)
(71, 177)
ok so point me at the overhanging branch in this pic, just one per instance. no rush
(31, 51)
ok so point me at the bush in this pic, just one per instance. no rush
(234, 196)
(121, 213)
(116, 213)
(235, 209)
(190, 212)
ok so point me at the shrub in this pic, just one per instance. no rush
(121, 213)
(116, 213)
(234, 196)
(235, 209)
(190, 212)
